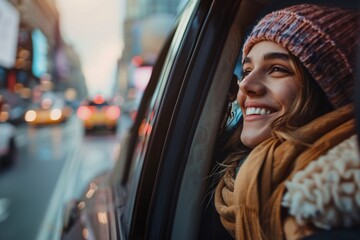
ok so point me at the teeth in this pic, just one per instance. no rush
(261, 111)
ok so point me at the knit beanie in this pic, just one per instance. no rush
(324, 39)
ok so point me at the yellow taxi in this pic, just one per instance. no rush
(48, 111)
(99, 114)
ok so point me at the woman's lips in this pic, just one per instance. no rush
(257, 113)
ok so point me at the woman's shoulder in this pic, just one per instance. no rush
(326, 193)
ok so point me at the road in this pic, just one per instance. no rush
(54, 164)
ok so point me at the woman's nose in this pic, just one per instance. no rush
(252, 85)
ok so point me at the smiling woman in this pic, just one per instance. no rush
(269, 73)
(297, 104)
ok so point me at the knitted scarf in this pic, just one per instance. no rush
(250, 205)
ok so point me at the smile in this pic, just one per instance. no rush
(257, 111)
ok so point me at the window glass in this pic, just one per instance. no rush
(152, 110)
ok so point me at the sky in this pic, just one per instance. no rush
(94, 29)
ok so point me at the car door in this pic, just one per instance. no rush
(170, 145)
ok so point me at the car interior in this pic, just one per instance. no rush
(173, 197)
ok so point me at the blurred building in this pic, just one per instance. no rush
(147, 23)
(73, 77)
(41, 57)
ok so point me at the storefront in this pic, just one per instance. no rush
(9, 28)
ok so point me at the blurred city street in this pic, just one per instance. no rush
(53, 165)
(72, 75)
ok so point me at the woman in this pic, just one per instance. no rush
(296, 170)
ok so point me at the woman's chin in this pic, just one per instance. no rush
(251, 140)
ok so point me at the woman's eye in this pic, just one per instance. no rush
(277, 69)
(245, 72)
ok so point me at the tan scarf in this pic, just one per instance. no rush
(250, 205)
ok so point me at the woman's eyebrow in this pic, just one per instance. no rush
(247, 60)
(270, 56)
(276, 55)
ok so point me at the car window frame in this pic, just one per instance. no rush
(196, 198)
(158, 78)
(161, 218)
(171, 79)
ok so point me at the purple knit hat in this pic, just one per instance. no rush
(325, 40)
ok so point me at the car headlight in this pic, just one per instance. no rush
(30, 116)
(55, 114)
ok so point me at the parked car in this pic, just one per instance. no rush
(99, 113)
(7, 144)
(13, 107)
(50, 110)
(161, 186)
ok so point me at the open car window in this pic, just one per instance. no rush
(206, 225)
(127, 174)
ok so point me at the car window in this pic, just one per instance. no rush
(209, 226)
(146, 119)
(196, 75)
(194, 218)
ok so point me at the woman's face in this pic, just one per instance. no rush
(270, 85)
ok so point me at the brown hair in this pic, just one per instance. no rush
(310, 103)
